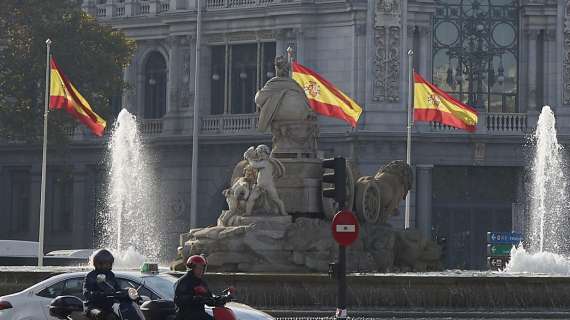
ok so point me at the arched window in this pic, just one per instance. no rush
(475, 55)
(155, 86)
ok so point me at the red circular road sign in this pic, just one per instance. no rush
(345, 227)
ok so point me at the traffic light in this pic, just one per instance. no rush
(337, 178)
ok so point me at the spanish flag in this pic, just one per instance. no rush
(433, 104)
(63, 95)
(325, 98)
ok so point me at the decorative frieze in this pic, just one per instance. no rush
(387, 38)
(566, 67)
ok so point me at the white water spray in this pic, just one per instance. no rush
(130, 221)
(548, 228)
(548, 199)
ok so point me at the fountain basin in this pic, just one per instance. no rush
(450, 289)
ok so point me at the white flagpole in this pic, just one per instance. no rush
(196, 123)
(410, 123)
(44, 156)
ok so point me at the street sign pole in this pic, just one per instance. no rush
(345, 230)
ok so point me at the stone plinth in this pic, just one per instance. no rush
(300, 187)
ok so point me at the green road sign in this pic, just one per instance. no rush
(499, 249)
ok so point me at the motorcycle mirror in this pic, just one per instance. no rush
(101, 278)
(232, 290)
(133, 294)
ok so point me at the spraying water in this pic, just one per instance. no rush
(548, 226)
(130, 221)
(548, 200)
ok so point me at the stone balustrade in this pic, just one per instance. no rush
(229, 124)
(491, 123)
(113, 9)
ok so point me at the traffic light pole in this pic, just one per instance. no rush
(341, 312)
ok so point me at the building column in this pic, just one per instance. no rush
(79, 216)
(531, 76)
(423, 199)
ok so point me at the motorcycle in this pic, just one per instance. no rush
(71, 307)
(166, 310)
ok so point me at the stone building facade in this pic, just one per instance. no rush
(506, 58)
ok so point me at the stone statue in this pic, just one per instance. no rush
(284, 109)
(268, 169)
(254, 187)
(281, 98)
(378, 197)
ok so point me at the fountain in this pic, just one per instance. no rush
(548, 204)
(129, 223)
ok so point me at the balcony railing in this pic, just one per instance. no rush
(151, 127)
(220, 4)
(492, 123)
(229, 124)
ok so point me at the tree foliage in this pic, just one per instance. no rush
(92, 56)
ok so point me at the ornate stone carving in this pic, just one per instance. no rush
(380, 65)
(254, 191)
(387, 38)
(566, 66)
(393, 86)
(388, 6)
(566, 91)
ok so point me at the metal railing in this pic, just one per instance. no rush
(229, 124)
(492, 123)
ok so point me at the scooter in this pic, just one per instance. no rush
(165, 309)
(71, 307)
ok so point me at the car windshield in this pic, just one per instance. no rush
(162, 284)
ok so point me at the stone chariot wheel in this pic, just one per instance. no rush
(368, 200)
(330, 208)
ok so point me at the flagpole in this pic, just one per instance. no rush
(44, 156)
(410, 123)
(196, 123)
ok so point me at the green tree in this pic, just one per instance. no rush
(92, 56)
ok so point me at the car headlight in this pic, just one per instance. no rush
(133, 294)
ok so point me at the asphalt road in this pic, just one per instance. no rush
(423, 314)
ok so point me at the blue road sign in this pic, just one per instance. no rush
(504, 237)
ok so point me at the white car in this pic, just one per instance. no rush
(33, 303)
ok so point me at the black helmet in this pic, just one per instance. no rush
(103, 257)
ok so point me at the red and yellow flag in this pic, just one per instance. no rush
(325, 98)
(63, 95)
(433, 104)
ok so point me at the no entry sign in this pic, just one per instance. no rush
(345, 228)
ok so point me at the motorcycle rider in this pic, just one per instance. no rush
(98, 306)
(191, 292)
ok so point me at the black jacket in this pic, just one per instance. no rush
(190, 296)
(95, 293)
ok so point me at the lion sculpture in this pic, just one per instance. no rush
(378, 198)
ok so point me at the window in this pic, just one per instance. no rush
(20, 200)
(238, 71)
(53, 290)
(475, 56)
(74, 287)
(155, 86)
(143, 291)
